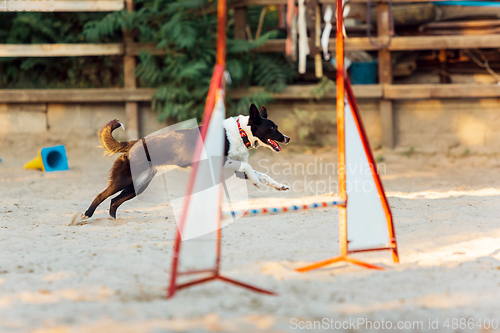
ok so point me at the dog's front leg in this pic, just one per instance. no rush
(255, 177)
(271, 182)
(250, 173)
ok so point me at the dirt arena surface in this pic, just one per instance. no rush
(110, 275)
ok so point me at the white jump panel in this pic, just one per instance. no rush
(367, 225)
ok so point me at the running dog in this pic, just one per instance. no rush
(241, 134)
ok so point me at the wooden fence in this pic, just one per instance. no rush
(129, 49)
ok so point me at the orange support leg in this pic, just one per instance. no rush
(244, 285)
(173, 288)
(395, 255)
(323, 263)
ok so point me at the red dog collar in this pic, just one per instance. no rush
(243, 134)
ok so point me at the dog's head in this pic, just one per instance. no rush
(265, 130)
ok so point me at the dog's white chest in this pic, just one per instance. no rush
(239, 154)
(237, 149)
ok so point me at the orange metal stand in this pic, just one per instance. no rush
(217, 83)
(344, 90)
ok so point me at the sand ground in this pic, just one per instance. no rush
(110, 275)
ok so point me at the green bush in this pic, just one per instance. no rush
(70, 72)
(183, 29)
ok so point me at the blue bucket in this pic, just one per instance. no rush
(364, 72)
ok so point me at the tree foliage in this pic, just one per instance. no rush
(71, 72)
(323, 86)
(185, 29)
(187, 34)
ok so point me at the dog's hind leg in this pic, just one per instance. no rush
(119, 180)
(127, 194)
(112, 189)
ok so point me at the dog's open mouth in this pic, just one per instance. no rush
(274, 144)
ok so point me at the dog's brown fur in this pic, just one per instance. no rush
(174, 148)
(140, 160)
(110, 145)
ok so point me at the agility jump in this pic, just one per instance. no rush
(365, 218)
(226, 215)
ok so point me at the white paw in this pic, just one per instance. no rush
(281, 187)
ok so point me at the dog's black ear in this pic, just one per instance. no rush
(254, 115)
(263, 112)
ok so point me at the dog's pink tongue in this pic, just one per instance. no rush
(275, 145)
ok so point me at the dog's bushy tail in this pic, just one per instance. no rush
(110, 145)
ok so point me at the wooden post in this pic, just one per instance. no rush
(443, 66)
(385, 76)
(131, 108)
(240, 23)
(318, 58)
